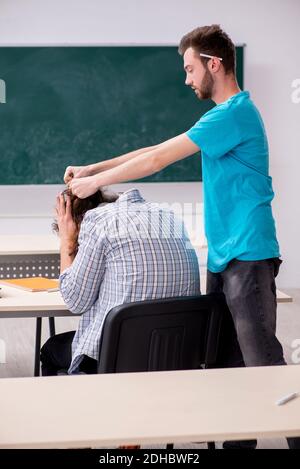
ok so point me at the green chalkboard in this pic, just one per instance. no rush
(78, 105)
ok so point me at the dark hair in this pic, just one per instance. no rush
(80, 206)
(211, 40)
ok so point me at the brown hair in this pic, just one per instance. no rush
(211, 40)
(80, 206)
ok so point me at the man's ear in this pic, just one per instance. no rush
(214, 65)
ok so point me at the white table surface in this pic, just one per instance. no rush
(20, 303)
(49, 244)
(148, 408)
(25, 244)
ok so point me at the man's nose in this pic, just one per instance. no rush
(188, 81)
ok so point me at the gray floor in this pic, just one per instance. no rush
(18, 336)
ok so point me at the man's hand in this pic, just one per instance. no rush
(84, 187)
(68, 231)
(76, 172)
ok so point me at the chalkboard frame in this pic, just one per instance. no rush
(38, 172)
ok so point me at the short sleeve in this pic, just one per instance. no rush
(216, 133)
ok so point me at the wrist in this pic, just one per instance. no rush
(97, 182)
(68, 244)
(91, 170)
(95, 168)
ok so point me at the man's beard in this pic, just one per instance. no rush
(206, 87)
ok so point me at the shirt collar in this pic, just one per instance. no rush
(241, 94)
(244, 94)
(132, 195)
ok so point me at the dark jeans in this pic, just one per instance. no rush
(249, 335)
(56, 356)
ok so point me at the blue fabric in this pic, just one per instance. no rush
(237, 187)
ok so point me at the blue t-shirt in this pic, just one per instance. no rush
(237, 187)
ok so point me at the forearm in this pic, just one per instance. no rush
(142, 166)
(148, 162)
(67, 255)
(113, 162)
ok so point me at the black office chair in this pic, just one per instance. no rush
(162, 335)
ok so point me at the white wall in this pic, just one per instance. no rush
(268, 27)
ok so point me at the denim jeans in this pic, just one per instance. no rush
(250, 291)
(249, 335)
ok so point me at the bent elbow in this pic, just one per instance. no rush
(72, 303)
(75, 308)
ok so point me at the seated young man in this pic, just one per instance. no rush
(121, 250)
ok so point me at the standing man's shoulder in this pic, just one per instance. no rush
(218, 131)
(248, 117)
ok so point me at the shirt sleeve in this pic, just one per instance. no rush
(216, 133)
(80, 283)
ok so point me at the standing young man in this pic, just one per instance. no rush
(243, 252)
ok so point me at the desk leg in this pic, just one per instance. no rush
(52, 326)
(38, 334)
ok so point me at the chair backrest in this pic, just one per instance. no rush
(167, 334)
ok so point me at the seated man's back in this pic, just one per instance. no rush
(129, 250)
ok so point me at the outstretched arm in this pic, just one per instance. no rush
(145, 164)
(92, 169)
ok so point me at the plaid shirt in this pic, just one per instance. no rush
(129, 250)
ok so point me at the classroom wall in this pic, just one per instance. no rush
(272, 64)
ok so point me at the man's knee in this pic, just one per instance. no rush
(57, 349)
